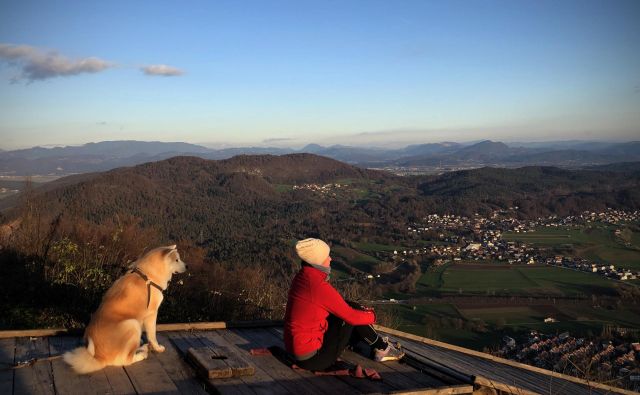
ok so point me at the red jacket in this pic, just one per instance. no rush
(311, 299)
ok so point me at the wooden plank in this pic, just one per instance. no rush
(469, 364)
(7, 352)
(35, 379)
(453, 390)
(424, 379)
(207, 366)
(238, 364)
(496, 372)
(326, 384)
(260, 382)
(436, 366)
(65, 380)
(119, 380)
(254, 323)
(217, 325)
(475, 366)
(307, 382)
(590, 384)
(190, 326)
(391, 377)
(504, 387)
(32, 333)
(505, 374)
(278, 333)
(160, 327)
(177, 368)
(148, 377)
(112, 379)
(231, 386)
(362, 385)
(180, 341)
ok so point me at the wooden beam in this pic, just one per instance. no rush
(190, 326)
(160, 328)
(453, 390)
(510, 389)
(592, 384)
(217, 325)
(33, 333)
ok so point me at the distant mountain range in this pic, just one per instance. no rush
(107, 155)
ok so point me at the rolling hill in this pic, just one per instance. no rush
(257, 200)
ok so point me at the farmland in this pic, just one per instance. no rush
(503, 279)
(358, 260)
(479, 326)
(596, 243)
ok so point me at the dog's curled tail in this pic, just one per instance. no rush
(82, 360)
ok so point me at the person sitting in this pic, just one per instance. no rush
(319, 323)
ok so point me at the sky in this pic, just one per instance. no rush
(288, 73)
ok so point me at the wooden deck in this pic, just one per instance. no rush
(429, 369)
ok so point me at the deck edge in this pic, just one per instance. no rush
(490, 357)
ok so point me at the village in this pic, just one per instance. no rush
(611, 356)
(323, 189)
(480, 239)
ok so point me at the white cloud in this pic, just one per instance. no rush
(161, 70)
(37, 64)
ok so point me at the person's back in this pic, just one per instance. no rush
(318, 321)
(311, 300)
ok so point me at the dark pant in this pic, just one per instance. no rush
(336, 338)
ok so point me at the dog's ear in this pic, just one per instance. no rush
(169, 249)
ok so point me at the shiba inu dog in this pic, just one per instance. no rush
(131, 304)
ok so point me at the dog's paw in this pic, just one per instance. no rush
(158, 348)
(141, 353)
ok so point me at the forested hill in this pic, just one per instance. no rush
(255, 204)
(246, 203)
(537, 191)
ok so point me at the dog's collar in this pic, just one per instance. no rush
(149, 283)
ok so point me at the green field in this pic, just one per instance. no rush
(360, 261)
(433, 279)
(623, 317)
(441, 321)
(414, 319)
(373, 247)
(490, 279)
(281, 188)
(596, 243)
(579, 320)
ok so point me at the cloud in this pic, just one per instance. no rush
(161, 70)
(37, 64)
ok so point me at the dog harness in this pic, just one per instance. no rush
(149, 283)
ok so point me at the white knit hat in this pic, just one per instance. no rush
(313, 251)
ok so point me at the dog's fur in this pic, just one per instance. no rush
(114, 333)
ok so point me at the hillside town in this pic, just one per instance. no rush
(326, 189)
(481, 239)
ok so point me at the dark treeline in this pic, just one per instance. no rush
(235, 222)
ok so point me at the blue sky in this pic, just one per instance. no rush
(331, 72)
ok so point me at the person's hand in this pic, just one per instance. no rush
(359, 306)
